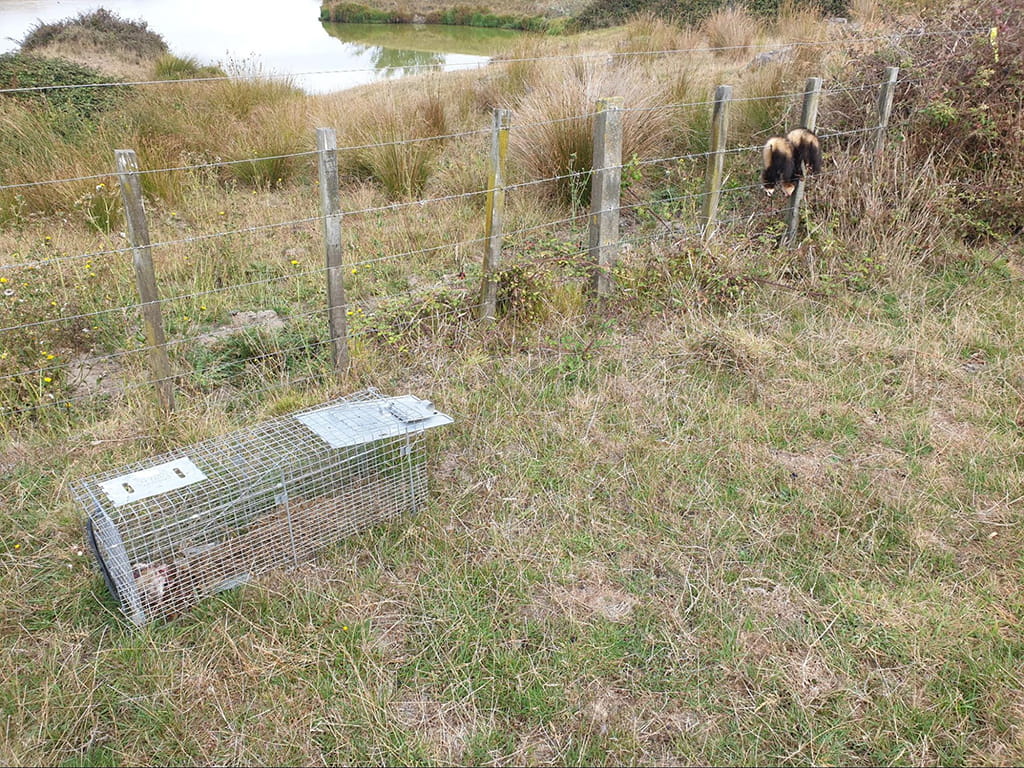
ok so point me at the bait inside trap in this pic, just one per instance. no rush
(172, 530)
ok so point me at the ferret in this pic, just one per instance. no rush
(787, 158)
(779, 166)
(806, 152)
(151, 581)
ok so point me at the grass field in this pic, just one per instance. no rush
(784, 535)
(762, 508)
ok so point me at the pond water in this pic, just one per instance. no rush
(278, 37)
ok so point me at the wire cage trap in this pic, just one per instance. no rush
(179, 527)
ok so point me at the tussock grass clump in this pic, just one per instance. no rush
(43, 141)
(520, 66)
(270, 135)
(799, 21)
(762, 102)
(248, 89)
(877, 218)
(731, 32)
(649, 32)
(554, 120)
(171, 67)
(865, 12)
(393, 140)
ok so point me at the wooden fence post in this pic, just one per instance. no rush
(885, 97)
(495, 212)
(605, 191)
(145, 275)
(716, 158)
(808, 120)
(327, 146)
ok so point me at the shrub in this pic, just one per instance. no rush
(98, 29)
(963, 105)
(68, 107)
(355, 13)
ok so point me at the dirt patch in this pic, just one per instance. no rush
(91, 376)
(445, 728)
(765, 658)
(602, 600)
(812, 679)
(813, 466)
(949, 431)
(602, 710)
(535, 748)
(13, 455)
(779, 603)
(264, 319)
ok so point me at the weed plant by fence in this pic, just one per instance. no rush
(171, 315)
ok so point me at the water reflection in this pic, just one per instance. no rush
(433, 38)
(399, 62)
(281, 38)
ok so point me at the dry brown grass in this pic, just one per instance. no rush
(648, 32)
(763, 102)
(556, 116)
(119, 63)
(866, 12)
(799, 20)
(731, 32)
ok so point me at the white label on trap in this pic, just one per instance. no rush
(349, 424)
(152, 481)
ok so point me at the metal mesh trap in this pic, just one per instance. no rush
(172, 530)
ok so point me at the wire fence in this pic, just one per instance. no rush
(246, 307)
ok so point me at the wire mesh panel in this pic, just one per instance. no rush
(179, 527)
